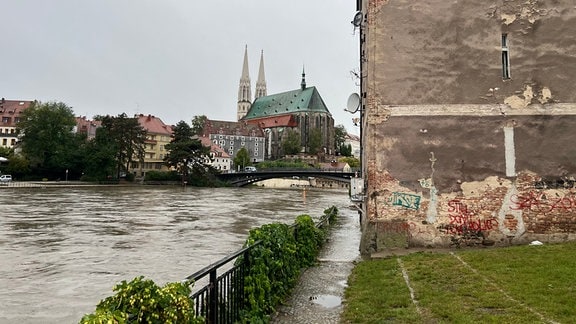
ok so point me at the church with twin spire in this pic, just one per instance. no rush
(301, 112)
(265, 122)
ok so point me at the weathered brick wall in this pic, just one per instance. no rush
(450, 179)
(455, 154)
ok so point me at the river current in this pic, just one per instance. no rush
(63, 249)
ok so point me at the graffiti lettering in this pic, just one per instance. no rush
(464, 221)
(538, 201)
(406, 200)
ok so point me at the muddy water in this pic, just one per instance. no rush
(63, 249)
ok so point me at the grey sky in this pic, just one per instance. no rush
(174, 58)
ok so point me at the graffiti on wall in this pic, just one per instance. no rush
(538, 201)
(464, 221)
(405, 200)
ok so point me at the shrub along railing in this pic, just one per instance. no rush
(262, 275)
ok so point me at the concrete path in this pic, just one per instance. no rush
(317, 298)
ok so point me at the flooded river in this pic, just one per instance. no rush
(63, 249)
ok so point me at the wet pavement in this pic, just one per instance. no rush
(317, 298)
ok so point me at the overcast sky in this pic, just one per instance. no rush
(174, 59)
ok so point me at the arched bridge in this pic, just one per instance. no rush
(240, 179)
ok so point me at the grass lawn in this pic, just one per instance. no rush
(521, 284)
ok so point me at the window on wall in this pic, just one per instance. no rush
(505, 58)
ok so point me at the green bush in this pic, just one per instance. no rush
(278, 254)
(142, 301)
(130, 177)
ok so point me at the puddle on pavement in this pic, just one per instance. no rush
(328, 301)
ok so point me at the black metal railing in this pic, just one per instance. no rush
(221, 300)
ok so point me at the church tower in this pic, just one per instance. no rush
(261, 83)
(244, 92)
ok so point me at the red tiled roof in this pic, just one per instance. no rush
(154, 125)
(274, 121)
(83, 123)
(213, 147)
(12, 109)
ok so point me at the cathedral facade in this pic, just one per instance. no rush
(301, 112)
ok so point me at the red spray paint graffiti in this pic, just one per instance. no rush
(465, 221)
(538, 201)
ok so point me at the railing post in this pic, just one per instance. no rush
(213, 295)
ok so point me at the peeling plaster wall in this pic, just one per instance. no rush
(453, 153)
(449, 52)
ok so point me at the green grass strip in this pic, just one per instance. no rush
(522, 284)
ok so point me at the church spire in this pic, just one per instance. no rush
(244, 92)
(261, 83)
(303, 83)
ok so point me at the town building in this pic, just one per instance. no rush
(219, 159)
(158, 135)
(468, 110)
(10, 114)
(233, 136)
(86, 126)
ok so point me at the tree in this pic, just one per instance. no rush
(242, 158)
(16, 165)
(314, 141)
(187, 154)
(198, 124)
(291, 142)
(339, 137)
(129, 139)
(101, 162)
(346, 150)
(47, 137)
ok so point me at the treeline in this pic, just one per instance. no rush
(50, 148)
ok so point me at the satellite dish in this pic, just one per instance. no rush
(353, 103)
(357, 19)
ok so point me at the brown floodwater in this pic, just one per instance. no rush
(63, 249)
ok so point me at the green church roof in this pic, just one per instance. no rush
(295, 101)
